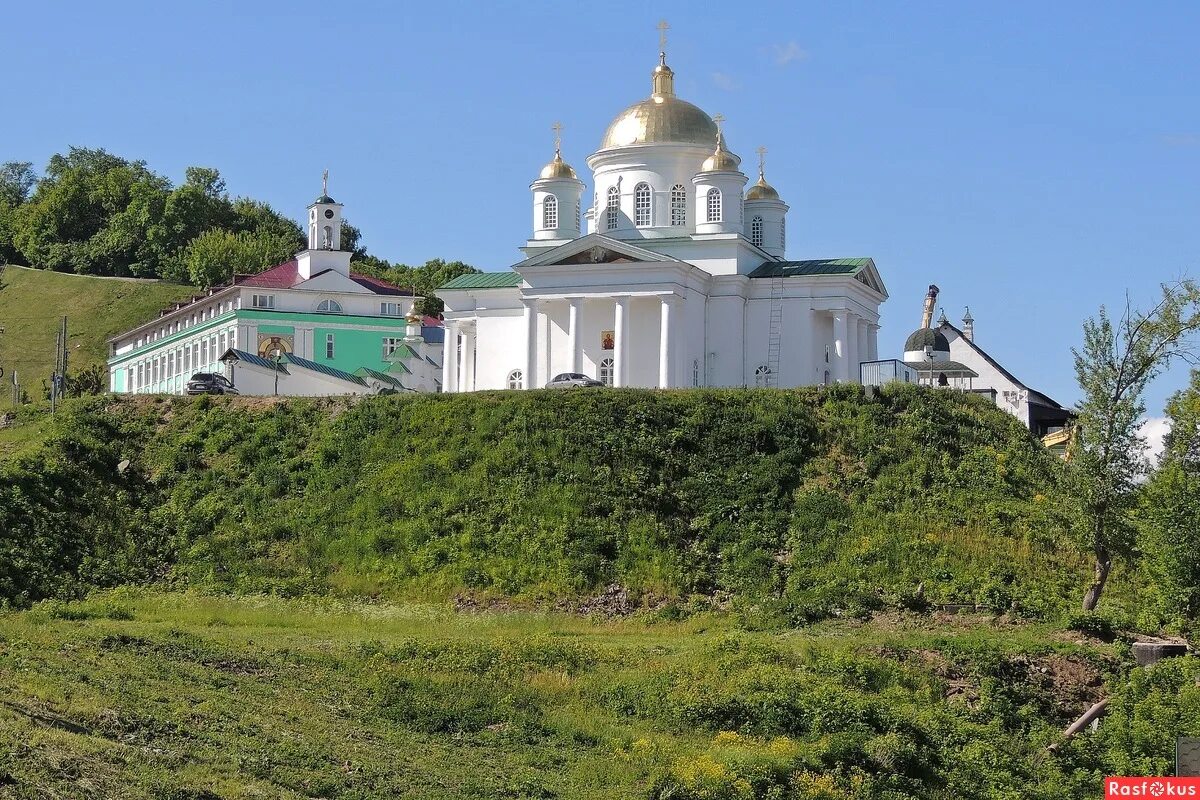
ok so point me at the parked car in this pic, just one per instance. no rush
(571, 380)
(209, 383)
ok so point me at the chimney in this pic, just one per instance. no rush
(930, 302)
(969, 325)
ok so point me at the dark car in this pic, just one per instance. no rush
(209, 383)
(571, 380)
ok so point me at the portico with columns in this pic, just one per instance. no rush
(681, 279)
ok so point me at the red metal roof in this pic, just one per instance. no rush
(287, 275)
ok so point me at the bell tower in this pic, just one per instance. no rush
(324, 251)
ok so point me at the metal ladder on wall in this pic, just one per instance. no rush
(774, 331)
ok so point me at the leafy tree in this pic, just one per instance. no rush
(424, 279)
(1113, 368)
(351, 240)
(215, 256)
(17, 180)
(1171, 509)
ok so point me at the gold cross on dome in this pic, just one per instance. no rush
(762, 157)
(557, 127)
(719, 118)
(663, 27)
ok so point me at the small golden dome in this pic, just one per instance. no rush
(762, 190)
(557, 168)
(721, 160)
(413, 316)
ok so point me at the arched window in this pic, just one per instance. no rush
(641, 205)
(762, 376)
(549, 212)
(516, 379)
(606, 371)
(826, 378)
(678, 205)
(613, 213)
(329, 307)
(696, 372)
(327, 240)
(714, 205)
(756, 232)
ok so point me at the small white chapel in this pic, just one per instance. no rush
(682, 279)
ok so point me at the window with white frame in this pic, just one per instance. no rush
(329, 345)
(516, 379)
(613, 213)
(549, 212)
(390, 309)
(391, 344)
(678, 205)
(258, 301)
(329, 307)
(714, 205)
(762, 376)
(756, 231)
(606, 371)
(642, 199)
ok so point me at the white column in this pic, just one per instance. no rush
(872, 342)
(545, 343)
(852, 369)
(468, 357)
(574, 340)
(531, 318)
(450, 358)
(665, 342)
(840, 368)
(621, 335)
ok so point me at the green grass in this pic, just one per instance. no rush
(149, 695)
(33, 302)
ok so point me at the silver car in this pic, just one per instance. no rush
(571, 380)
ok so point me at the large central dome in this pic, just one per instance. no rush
(662, 117)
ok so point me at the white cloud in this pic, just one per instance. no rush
(725, 82)
(787, 53)
(1153, 429)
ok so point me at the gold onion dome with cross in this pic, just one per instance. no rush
(662, 117)
(557, 168)
(762, 190)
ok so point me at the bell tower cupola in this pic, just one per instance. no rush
(718, 189)
(557, 193)
(766, 213)
(324, 251)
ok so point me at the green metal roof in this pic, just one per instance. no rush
(367, 372)
(333, 372)
(484, 280)
(815, 266)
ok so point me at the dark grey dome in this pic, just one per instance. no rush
(927, 337)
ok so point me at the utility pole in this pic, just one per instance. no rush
(58, 380)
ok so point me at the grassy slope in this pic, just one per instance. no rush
(184, 696)
(32, 305)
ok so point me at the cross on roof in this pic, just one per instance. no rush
(762, 157)
(663, 27)
(325, 183)
(557, 127)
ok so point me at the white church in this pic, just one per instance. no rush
(681, 280)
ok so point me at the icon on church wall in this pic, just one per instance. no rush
(607, 340)
(273, 346)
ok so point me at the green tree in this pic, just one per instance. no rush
(1170, 542)
(215, 256)
(17, 180)
(1113, 368)
(91, 214)
(424, 279)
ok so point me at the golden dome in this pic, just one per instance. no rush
(413, 316)
(721, 160)
(662, 117)
(557, 168)
(762, 190)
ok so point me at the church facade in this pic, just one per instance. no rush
(681, 279)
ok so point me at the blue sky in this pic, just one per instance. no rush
(1033, 159)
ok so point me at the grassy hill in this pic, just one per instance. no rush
(32, 305)
(143, 695)
(800, 504)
